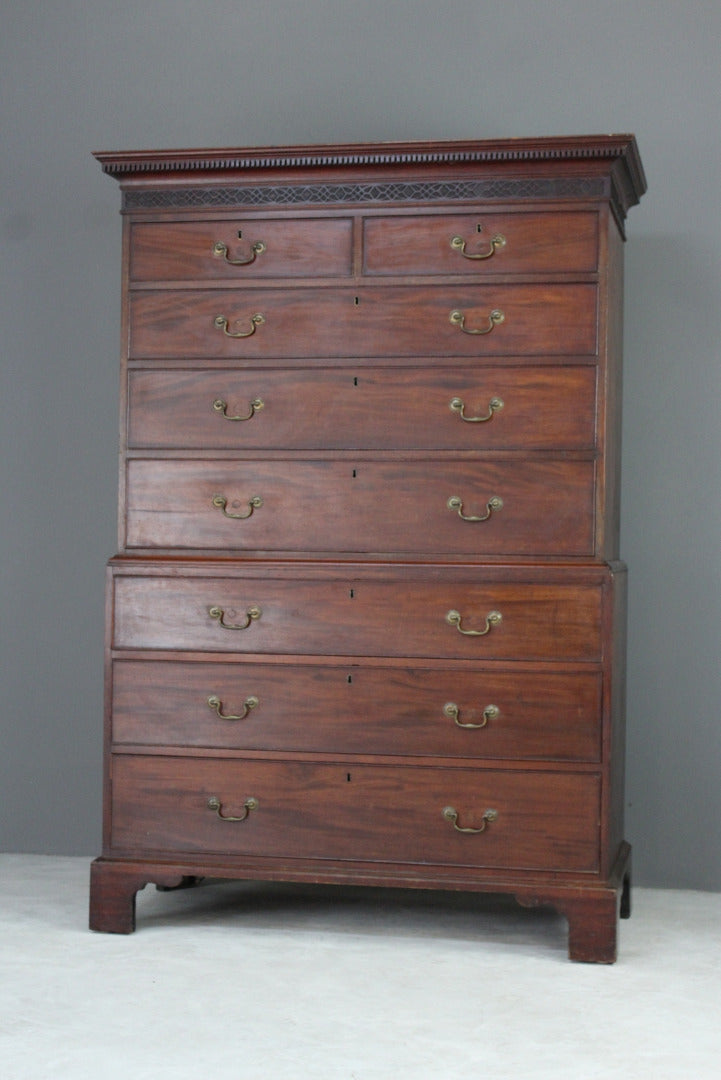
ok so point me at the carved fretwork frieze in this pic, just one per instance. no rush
(244, 195)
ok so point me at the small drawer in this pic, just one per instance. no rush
(445, 408)
(351, 616)
(396, 814)
(481, 244)
(241, 250)
(457, 507)
(359, 708)
(305, 323)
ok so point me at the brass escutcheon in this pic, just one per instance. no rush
(496, 242)
(221, 323)
(220, 250)
(456, 503)
(457, 405)
(220, 503)
(451, 814)
(254, 406)
(493, 618)
(459, 319)
(216, 705)
(451, 710)
(218, 613)
(214, 803)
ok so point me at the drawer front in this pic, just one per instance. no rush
(539, 320)
(363, 812)
(362, 618)
(241, 250)
(463, 408)
(481, 244)
(359, 709)
(515, 507)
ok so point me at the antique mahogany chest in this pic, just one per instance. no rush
(366, 623)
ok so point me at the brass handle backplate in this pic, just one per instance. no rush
(496, 242)
(493, 618)
(214, 803)
(254, 406)
(218, 613)
(451, 710)
(459, 319)
(216, 705)
(457, 405)
(220, 250)
(221, 323)
(221, 503)
(456, 503)
(451, 814)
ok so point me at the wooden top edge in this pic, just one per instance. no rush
(181, 163)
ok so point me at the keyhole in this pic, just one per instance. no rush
(355, 473)
(240, 234)
(355, 380)
(350, 679)
(347, 778)
(479, 227)
(351, 594)
(356, 301)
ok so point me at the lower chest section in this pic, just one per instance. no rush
(438, 715)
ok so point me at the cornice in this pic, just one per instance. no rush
(618, 151)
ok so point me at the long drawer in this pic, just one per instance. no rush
(356, 812)
(241, 249)
(303, 323)
(437, 408)
(357, 708)
(511, 507)
(350, 617)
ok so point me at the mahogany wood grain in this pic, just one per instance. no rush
(355, 811)
(534, 243)
(361, 505)
(361, 708)
(360, 618)
(303, 322)
(364, 407)
(183, 251)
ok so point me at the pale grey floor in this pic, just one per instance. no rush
(249, 982)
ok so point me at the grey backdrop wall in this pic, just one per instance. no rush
(79, 75)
